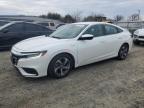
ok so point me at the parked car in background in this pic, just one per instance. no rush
(59, 25)
(14, 32)
(50, 25)
(2, 22)
(138, 36)
(70, 46)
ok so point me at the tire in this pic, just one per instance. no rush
(123, 52)
(60, 66)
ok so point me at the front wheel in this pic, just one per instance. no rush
(60, 66)
(123, 52)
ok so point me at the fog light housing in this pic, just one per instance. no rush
(31, 71)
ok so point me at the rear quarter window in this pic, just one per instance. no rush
(109, 29)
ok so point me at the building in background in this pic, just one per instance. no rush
(130, 25)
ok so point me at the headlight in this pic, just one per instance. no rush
(136, 32)
(135, 36)
(34, 54)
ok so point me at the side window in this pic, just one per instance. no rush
(96, 30)
(18, 27)
(109, 29)
(44, 24)
(44, 29)
(32, 28)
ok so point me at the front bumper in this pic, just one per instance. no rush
(30, 67)
(139, 38)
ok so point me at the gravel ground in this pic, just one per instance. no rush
(107, 84)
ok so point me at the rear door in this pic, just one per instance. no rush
(105, 44)
(112, 39)
(11, 35)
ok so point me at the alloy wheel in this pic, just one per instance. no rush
(123, 52)
(62, 66)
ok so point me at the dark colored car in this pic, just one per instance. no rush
(2, 23)
(14, 32)
(50, 25)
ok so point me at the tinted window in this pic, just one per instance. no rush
(33, 27)
(109, 29)
(18, 27)
(3, 23)
(96, 30)
(45, 29)
(44, 24)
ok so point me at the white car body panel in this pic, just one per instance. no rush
(82, 50)
(139, 35)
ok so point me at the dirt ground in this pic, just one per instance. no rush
(107, 84)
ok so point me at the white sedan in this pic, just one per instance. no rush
(70, 46)
(139, 36)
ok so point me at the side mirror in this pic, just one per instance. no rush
(86, 37)
(5, 31)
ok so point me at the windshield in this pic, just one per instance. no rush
(68, 31)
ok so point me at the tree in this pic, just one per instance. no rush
(89, 18)
(118, 18)
(54, 16)
(68, 19)
(98, 18)
(43, 16)
(77, 15)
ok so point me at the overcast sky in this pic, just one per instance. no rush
(109, 8)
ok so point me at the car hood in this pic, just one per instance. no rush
(37, 44)
(139, 32)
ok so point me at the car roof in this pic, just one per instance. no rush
(14, 22)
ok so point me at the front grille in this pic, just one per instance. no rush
(15, 58)
(142, 37)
